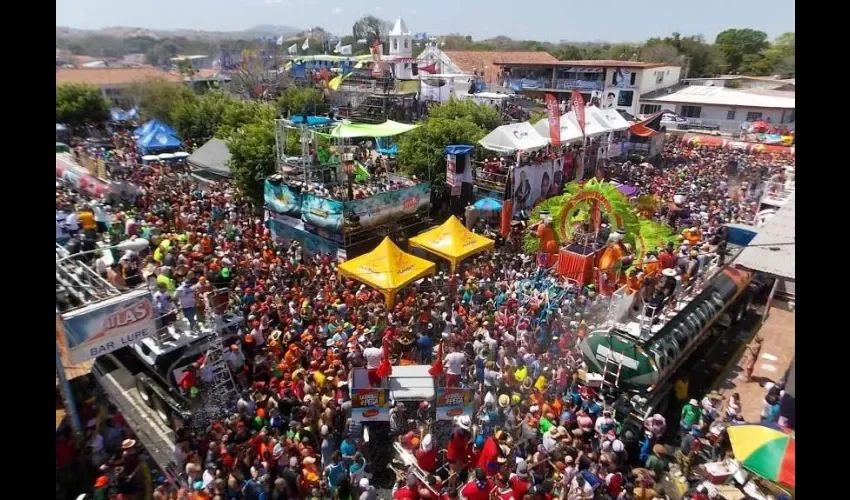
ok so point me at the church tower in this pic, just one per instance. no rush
(401, 47)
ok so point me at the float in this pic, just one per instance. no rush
(594, 234)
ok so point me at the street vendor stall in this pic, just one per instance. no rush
(452, 241)
(387, 269)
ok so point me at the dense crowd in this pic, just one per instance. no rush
(535, 432)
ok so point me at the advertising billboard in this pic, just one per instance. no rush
(106, 326)
(281, 199)
(385, 207)
(532, 183)
(370, 405)
(453, 402)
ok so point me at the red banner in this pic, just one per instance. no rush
(554, 116)
(578, 106)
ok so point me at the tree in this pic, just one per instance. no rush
(79, 104)
(200, 119)
(185, 68)
(661, 52)
(252, 150)
(421, 149)
(160, 99)
(780, 58)
(371, 28)
(485, 117)
(736, 44)
(296, 100)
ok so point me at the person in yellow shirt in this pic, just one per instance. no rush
(86, 219)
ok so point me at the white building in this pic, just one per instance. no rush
(401, 51)
(617, 84)
(724, 107)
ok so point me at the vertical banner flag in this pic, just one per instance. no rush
(293, 49)
(553, 113)
(508, 205)
(578, 106)
(377, 51)
(306, 44)
(345, 50)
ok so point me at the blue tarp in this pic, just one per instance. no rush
(311, 120)
(159, 139)
(383, 146)
(459, 149)
(146, 129)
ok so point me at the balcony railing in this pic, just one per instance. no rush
(569, 84)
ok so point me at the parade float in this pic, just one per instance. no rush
(594, 234)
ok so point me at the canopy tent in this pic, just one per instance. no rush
(158, 139)
(152, 125)
(514, 137)
(387, 269)
(212, 157)
(452, 241)
(349, 130)
(609, 117)
(569, 128)
(458, 149)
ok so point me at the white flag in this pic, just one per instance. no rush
(338, 48)
(279, 41)
(306, 44)
(345, 50)
(293, 49)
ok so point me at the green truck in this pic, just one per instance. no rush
(637, 359)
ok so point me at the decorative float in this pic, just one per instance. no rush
(593, 234)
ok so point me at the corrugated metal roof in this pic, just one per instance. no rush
(774, 250)
(722, 96)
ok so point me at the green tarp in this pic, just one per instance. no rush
(387, 129)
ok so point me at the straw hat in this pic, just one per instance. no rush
(504, 401)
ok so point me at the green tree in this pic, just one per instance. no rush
(185, 68)
(485, 117)
(421, 149)
(736, 44)
(79, 104)
(252, 149)
(661, 52)
(296, 100)
(161, 99)
(200, 119)
(780, 58)
(371, 28)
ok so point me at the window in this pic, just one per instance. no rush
(691, 111)
(633, 78)
(406, 42)
(730, 115)
(395, 44)
(625, 97)
(648, 109)
(753, 116)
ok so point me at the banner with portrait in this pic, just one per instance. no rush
(532, 183)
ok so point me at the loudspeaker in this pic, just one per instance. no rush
(415, 69)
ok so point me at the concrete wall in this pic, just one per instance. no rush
(719, 115)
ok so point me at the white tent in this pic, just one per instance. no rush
(594, 124)
(569, 128)
(610, 116)
(514, 137)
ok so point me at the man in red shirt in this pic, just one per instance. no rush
(479, 488)
(189, 378)
(666, 257)
(519, 481)
(426, 455)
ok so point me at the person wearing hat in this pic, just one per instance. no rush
(426, 455)
(456, 450)
(691, 414)
(657, 462)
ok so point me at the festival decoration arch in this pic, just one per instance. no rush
(609, 201)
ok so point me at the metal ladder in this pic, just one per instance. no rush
(611, 362)
(223, 385)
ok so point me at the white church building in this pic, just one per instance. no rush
(401, 51)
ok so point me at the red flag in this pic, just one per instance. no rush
(554, 115)
(385, 369)
(437, 366)
(508, 205)
(487, 460)
(431, 68)
(578, 106)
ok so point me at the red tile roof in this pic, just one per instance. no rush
(106, 77)
(469, 60)
(595, 63)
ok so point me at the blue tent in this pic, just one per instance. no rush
(146, 129)
(159, 139)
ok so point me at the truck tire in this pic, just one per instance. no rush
(163, 412)
(144, 393)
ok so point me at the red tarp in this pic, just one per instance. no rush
(647, 127)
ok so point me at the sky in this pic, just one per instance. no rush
(546, 20)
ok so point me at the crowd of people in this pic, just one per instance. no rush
(535, 432)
